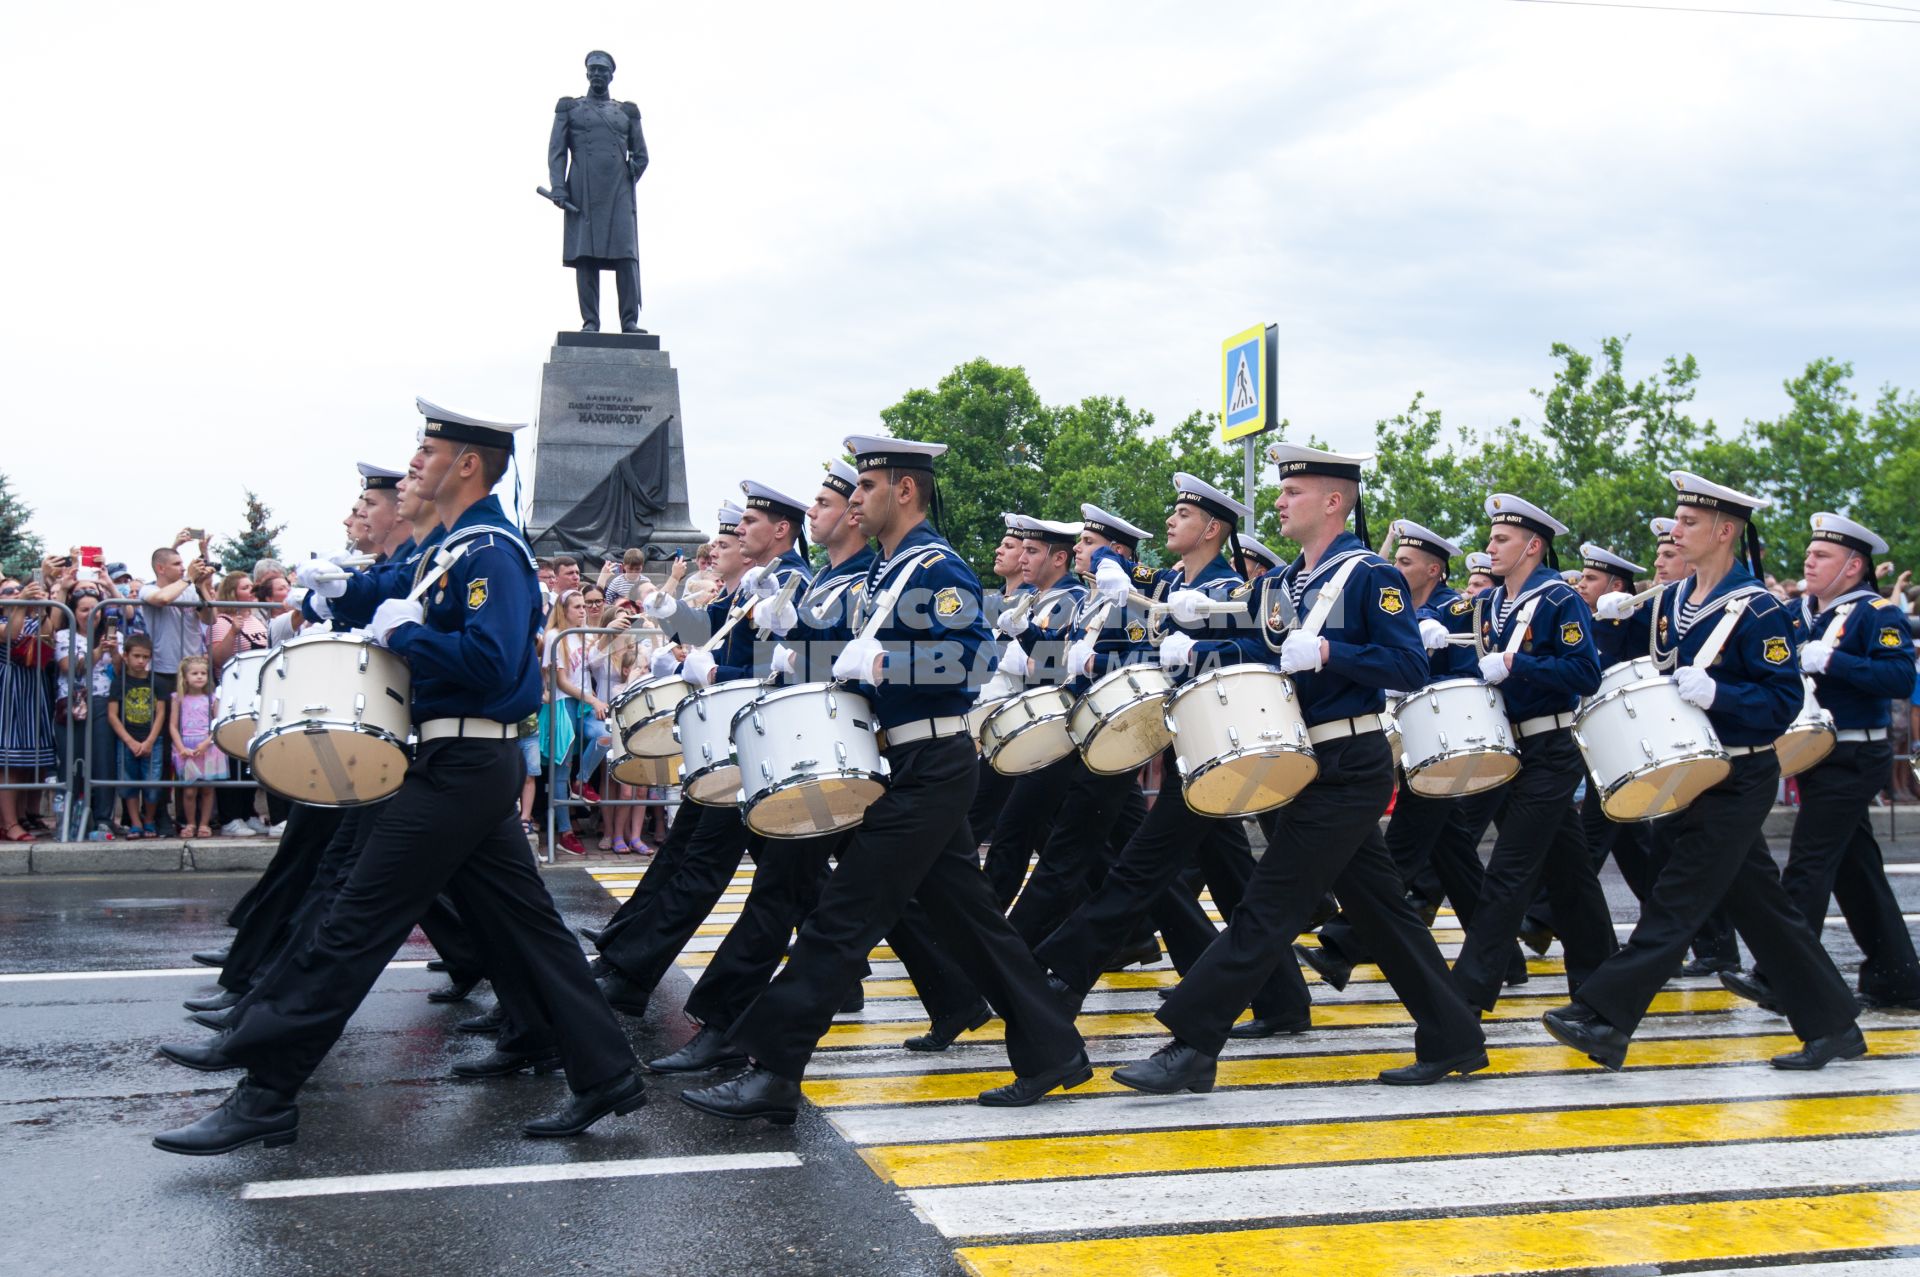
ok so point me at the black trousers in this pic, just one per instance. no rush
(1539, 836)
(915, 841)
(1137, 884)
(642, 945)
(1833, 853)
(788, 876)
(666, 860)
(1022, 828)
(451, 827)
(276, 897)
(1716, 941)
(626, 281)
(1327, 838)
(1071, 858)
(1719, 854)
(991, 790)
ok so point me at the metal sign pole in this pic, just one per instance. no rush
(1248, 447)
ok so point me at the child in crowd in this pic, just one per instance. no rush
(624, 823)
(195, 756)
(136, 710)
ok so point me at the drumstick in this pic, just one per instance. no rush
(1236, 608)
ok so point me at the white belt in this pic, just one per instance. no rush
(925, 729)
(1741, 751)
(1861, 733)
(471, 728)
(1544, 723)
(1340, 728)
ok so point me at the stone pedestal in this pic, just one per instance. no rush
(609, 463)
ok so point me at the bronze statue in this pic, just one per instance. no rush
(594, 157)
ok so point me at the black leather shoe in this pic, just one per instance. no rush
(251, 1115)
(218, 1021)
(1883, 1002)
(1334, 970)
(1426, 910)
(755, 1093)
(212, 957)
(1023, 1091)
(1065, 998)
(1707, 966)
(1175, 1067)
(856, 1000)
(498, 1063)
(1427, 1072)
(456, 990)
(492, 1022)
(1516, 976)
(218, 1002)
(1817, 1052)
(623, 994)
(1588, 1034)
(209, 1056)
(1536, 937)
(948, 1027)
(1165, 991)
(1323, 911)
(622, 1095)
(1146, 953)
(437, 964)
(591, 934)
(1259, 1028)
(707, 1049)
(1751, 986)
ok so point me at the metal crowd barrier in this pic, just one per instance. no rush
(559, 791)
(58, 785)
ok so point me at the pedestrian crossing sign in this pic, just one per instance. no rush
(1246, 382)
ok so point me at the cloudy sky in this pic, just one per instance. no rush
(239, 240)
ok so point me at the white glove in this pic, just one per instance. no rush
(1080, 657)
(339, 560)
(1615, 605)
(1300, 652)
(1175, 650)
(997, 688)
(391, 615)
(750, 581)
(1014, 662)
(1696, 686)
(1012, 623)
(698, 667)
(1815, 655)
(321, 608)
(1433, 635)
(1189, 607)
(1493, 668)
(785, 659)
(1110, 582)
(856, 662)
(662, 662)
(660, 605)
(314, 574)
(783, 619)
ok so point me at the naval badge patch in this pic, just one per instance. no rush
(1136, 632)
(1461, 606)
(947, 604)
(1390, 601)
(1142, 574)
(1571, 634)
(476, 593)
(1889, 637)
(1775, 651)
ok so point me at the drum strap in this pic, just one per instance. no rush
(1729, 617)
(1522, 619)
(1330, 594)
(890, 597)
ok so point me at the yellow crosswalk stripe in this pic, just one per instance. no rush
(1452, 1135)
(1668, 1233)
(1297, 1070)
(1166, 978)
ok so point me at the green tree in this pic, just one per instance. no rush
(253, 542)
(20, 549)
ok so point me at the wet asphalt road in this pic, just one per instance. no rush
(81, 1093)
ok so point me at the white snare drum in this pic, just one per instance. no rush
(239, 702)
(333, 717)
(1650, 753)
(643, 715)
(1808, 739)
(1455, 739)
(809, 760)
(704, 726)
(1239, 741)
(1395, 741)
(1027, 732)
(978, 715)
(633, 769)
(1121, 722)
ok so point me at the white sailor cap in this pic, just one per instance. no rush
(444, 423)
(1480, 561)
(374, 477)
(1601, 559)
(1504, 507)
(1708, 495)
(882, 452)
(1252, 546)
(1112, 526)
(1032, 529)
(1571, 576)
(1841, 530)
(777, 504)
(841, 477)
(1011, 522)
(1294, 458)
(1196, 492)
(729, 518)
(1412, 534)
(1662, 529)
